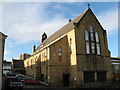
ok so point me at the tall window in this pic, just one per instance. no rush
(87, 42)
(93, 48)
(96, 37)
(87, 48)
(97, 43)
(92, 41)
(59, 54)
(86, 35)
(31, 63)
(91, 33)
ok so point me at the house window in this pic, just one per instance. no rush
(59, 52)
(93, 48)
(86, 35)
(97, 43)
(87, 48)
(92, 41)
(96, 37)
(98, 48)
(91, 33)
(101, 76)
(31, 63)
(89, 77)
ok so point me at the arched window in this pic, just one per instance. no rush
(96, 37)
(91, 33)
(97, 43)
(87, 48)
(59, 52)
(93, 48)
(31, 63)
(86, 35)
(92, 41)
(98, 48)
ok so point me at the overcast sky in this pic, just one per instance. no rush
(25, 22)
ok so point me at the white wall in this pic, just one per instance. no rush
(0, 61)
(6, 68)
(2, 39)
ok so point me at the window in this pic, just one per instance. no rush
(96, 37)
(89, 77)
(98, 49)
(101, 76)
(91, 29)
(93, 48)
(44, 54)
(92, 41)
(31, 63)
(87, 48)
(91, 33)
(59, 52)
(86, 35)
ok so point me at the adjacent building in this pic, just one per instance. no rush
(6, 67)
(24, 56)
(17, 66)
(75, 55)
(2, 42)
(116, 67)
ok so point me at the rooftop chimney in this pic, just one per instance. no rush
(44, 36)
(33, 49)
(70, 20)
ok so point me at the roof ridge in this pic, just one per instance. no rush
(68, 24)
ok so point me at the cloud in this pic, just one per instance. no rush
(27, 23)
(109, 20)
(7, 52)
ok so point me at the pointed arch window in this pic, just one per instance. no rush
(59, 52)
(97, 43)
(86, 35)
(91, 33)
(92, 41)
(87, 48)
(87, 42)
(93, 48)
(98, 48)
(96, 37)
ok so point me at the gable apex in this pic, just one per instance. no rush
(86, 12)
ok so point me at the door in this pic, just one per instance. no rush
(66, 80)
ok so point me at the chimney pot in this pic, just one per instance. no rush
(70, 20)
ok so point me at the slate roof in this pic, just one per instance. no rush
(68, 27)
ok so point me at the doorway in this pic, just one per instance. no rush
(66, 80)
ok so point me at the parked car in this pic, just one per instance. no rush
(13, 82)
(28, 82)
(21, 77)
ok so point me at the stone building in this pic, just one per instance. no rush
(116, 67)
(6, 67)
(24, 56)
(17, 66)
(75, 55)
(2, 41)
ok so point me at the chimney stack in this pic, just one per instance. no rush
(44, 36)
(70, 20)
(33, 49)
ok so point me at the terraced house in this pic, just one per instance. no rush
(75, 55)
(2, 42)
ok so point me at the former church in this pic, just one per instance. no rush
(75, 55)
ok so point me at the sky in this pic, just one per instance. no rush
(25, 22)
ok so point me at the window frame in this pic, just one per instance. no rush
(95, 40)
